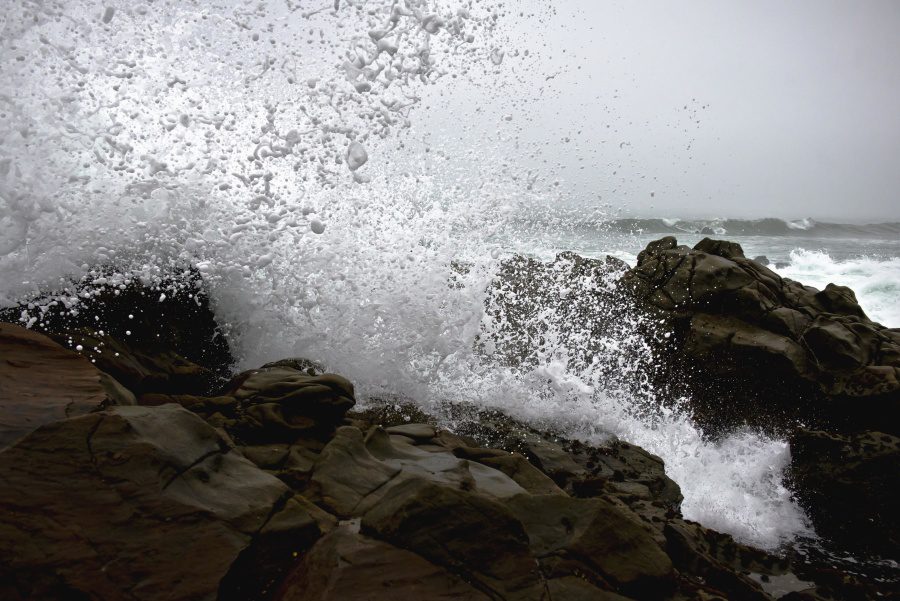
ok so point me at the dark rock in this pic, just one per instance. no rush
(346, 566)
(579, 469)
(311, 368)
(601, 537)
(469, 533)
(718, 561)
(152, 502)
(840, 300)
(152, 369)
(135, 502)
(173, 345)
(514, 465)
(762, 260)
(576, 588)
(721, 248)
(848, 485)
(414, 431)
(731, 320)
(354, 472)
(43, 382)
(281, 403)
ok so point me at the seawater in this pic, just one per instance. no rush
(869, 266)
(275, 147)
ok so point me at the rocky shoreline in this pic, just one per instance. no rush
(139, 467)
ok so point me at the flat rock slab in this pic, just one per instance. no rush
(142, 503)
(41, 382)
(346, 566)
(414, 431)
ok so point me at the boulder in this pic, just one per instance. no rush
(354, 473)
(42, 382)
(720, 563)
(748, 346)
(347, 566)
(848, 485)
(604, 539)
(137, 502)
(163, 339)
(469, 533)
(283, 402)
(579, 469)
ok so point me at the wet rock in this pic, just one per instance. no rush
(716, 561)
(579, 469)
(848, 485)
(111, 504)
(778, 351)
(414, 431)
(577, 588)
(147, 341)
(354, 472)
(145, 370)
(601, 537)
(347, 566)
(721, 248)
(467, 532)
(762, 260)
(42, 382)
(281, 403)
(517, 467)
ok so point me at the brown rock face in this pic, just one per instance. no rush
(753, 346)
(41, 382)
(232, 492)
(346, 566)
(134, 502)
(147, 341)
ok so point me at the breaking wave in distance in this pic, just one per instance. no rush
(876, 282)
(805, 228)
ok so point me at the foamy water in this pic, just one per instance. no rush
(876, 282)
(270, 148)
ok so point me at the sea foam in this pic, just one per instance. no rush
(876, 282)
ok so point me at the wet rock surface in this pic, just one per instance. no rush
(744, 346)
(133, 502)
(42, 382)
(749, 346)
(159, 340)
(268, 485)
(848, 485)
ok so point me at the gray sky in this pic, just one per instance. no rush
(744, 109)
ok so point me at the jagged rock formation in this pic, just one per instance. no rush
(753, 346)
(137, 503)
(744, 346)
(269, 486)
(158, 340)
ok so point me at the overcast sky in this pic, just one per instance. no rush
(746, 109)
